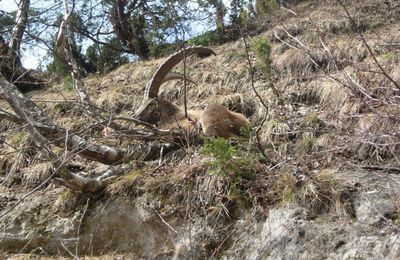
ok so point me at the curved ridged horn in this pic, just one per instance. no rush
(176, 75)
(158, 78)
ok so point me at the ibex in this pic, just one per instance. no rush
(218, 121)
(215, 120)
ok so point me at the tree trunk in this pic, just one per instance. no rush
(21, 22)
(63, 44)
(220, 12)
(10, 54)
(130, 28)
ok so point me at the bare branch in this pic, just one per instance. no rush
(61, 137)
(266, 109)
(367, 46)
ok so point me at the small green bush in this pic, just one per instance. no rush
(68, 83)
(205, 39)
(239, 168)
(265, 7)
(162, 50)
(199, 40)
(229, 160)
(262, 48)
(223, 153)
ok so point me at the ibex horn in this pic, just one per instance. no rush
(165, 68)
(176, 75)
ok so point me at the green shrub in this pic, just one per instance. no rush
(262, 48)
(162, 50)
(229, 160)
(236, 165)
(265, 7)
(68, 83)
(223, 154)
(205, 39)
(199, 40)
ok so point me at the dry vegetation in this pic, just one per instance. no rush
(337, 109)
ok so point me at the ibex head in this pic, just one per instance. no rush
(157, 111)
(160, 111)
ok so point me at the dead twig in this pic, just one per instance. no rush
(79, 227)
(165, 222)
(266, 109)
(367, 45)
(221, 244)
(75, 257)
(386, 168)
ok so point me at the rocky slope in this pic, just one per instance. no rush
(331, 131)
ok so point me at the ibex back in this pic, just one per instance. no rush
(218, 121)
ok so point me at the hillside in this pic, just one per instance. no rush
(329, 187)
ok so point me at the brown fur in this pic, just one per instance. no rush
(218, 121)
(166, 115)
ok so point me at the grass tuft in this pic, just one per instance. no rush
(126, 184)
(321, 193)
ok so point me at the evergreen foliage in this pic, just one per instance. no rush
(103, 58)
(265, 7)
(229, 160)
(262, 48)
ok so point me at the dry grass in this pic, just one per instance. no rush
(65, 109)
(395, 74)
(189, 186)
(331, 94)
(348, 50)
(293, 28)
(76, 124)
(322, 192)
(127, 184)
(19, 153)
(301, 64)
(326, 142)
(378, 137)
(306, 144)
(37, 173)
(68, 201)
(237, 102)
(275, 132)
(117, 99)
(6, 125)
